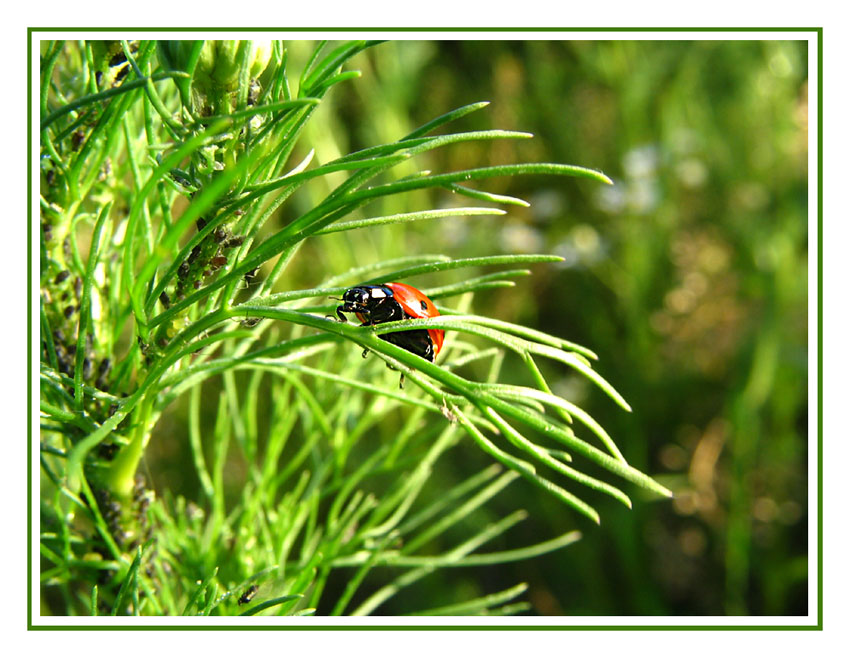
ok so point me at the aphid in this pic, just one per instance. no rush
(248, 594)
(233, 241)
(77, 139)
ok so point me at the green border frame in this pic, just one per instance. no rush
(818, 31)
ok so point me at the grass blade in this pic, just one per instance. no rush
(476, 606)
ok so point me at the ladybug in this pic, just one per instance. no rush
(389, 302)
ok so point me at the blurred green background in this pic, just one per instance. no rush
(688, 278)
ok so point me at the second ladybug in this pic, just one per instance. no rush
(389, 302)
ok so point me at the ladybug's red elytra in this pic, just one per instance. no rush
(389, 302)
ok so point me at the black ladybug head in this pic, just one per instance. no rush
(373, 304)
(357, 297)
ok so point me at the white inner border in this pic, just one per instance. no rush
(810, 619)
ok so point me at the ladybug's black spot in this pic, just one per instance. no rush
(423, 304)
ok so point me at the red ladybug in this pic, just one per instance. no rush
(389, 302)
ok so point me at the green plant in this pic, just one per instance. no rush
(171, 221)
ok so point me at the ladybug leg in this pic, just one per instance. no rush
(428, 352)
(339, 314)
(365, 353)
(401, 376)
(392, 367)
